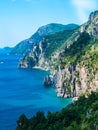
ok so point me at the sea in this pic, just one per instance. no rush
(22, 92)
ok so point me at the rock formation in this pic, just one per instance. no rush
(72, 58)
(48, 80)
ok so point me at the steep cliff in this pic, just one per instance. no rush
(72, 57)
(26, 46)
(46, 51)
(79, 62)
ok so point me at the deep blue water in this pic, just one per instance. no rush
(22, 91)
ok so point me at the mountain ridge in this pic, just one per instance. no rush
(74, 74)
(26, 45)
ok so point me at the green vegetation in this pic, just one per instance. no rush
(47, 47)
(83, 51)
(56, 41)
(90, 60)
(74, 52)
(75, 49)
(80, 115)
(26, 46)
(21, 48)
(54, 27)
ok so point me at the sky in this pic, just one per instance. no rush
(19, 19)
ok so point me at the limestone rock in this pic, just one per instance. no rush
(48, 81)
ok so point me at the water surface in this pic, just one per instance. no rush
(22, 91)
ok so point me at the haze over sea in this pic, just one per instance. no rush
(22, 91)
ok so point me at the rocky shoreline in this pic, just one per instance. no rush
(74, 66)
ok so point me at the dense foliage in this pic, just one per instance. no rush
(84, 49)
(80, 115)
(26, 46)
(74, 52)
(56, 41)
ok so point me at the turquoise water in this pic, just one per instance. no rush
(22, 91)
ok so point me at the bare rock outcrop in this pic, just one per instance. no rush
(74, 81)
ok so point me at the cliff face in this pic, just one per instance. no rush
(72, 82)
(92, 25)
(79, 62)
(45, 53)
(26, 46)
(72, 57)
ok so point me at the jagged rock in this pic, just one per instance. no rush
(91, 26)
(77, 58)
(48, 81)
(39, 53)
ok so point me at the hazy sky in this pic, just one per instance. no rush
(19, 19)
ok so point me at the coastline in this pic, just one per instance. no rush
(74, 99)
(38, 67)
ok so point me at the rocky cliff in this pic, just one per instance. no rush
(26, 46)
(45, 53)
(72, 57)
(72, 82)
(79, 61)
